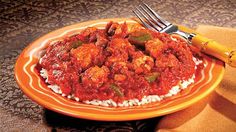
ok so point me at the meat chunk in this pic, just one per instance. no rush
(101, 39)
(168, 60)
(119, 77)
(142, 63)
(111, 28)
(117, 56)
(118, 44)
(88, 55)
(154, 47)
(95, 76)
(119, 67)
(89, 31)
(116, 30)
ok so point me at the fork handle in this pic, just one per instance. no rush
(215, 49)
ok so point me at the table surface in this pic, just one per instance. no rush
(21, 22)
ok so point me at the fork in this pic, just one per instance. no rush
(151, 20)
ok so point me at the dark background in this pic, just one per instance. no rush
(22, 21)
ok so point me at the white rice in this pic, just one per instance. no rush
(55, 88)
(132, 102)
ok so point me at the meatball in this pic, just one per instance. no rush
(95, 76)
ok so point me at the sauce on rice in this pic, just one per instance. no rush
(118, 63)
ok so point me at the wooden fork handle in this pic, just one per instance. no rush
(215, 49)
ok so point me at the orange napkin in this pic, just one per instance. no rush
(217, 112)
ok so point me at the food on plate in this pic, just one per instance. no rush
(120, 65)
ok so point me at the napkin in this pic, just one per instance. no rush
(216, 112)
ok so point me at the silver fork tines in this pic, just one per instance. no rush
(153, 21)
(149, 17)
(143, 21)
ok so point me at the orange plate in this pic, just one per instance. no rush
(30, 82)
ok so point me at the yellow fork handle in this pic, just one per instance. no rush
(215, 49)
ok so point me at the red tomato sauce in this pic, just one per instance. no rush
(117, 63)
